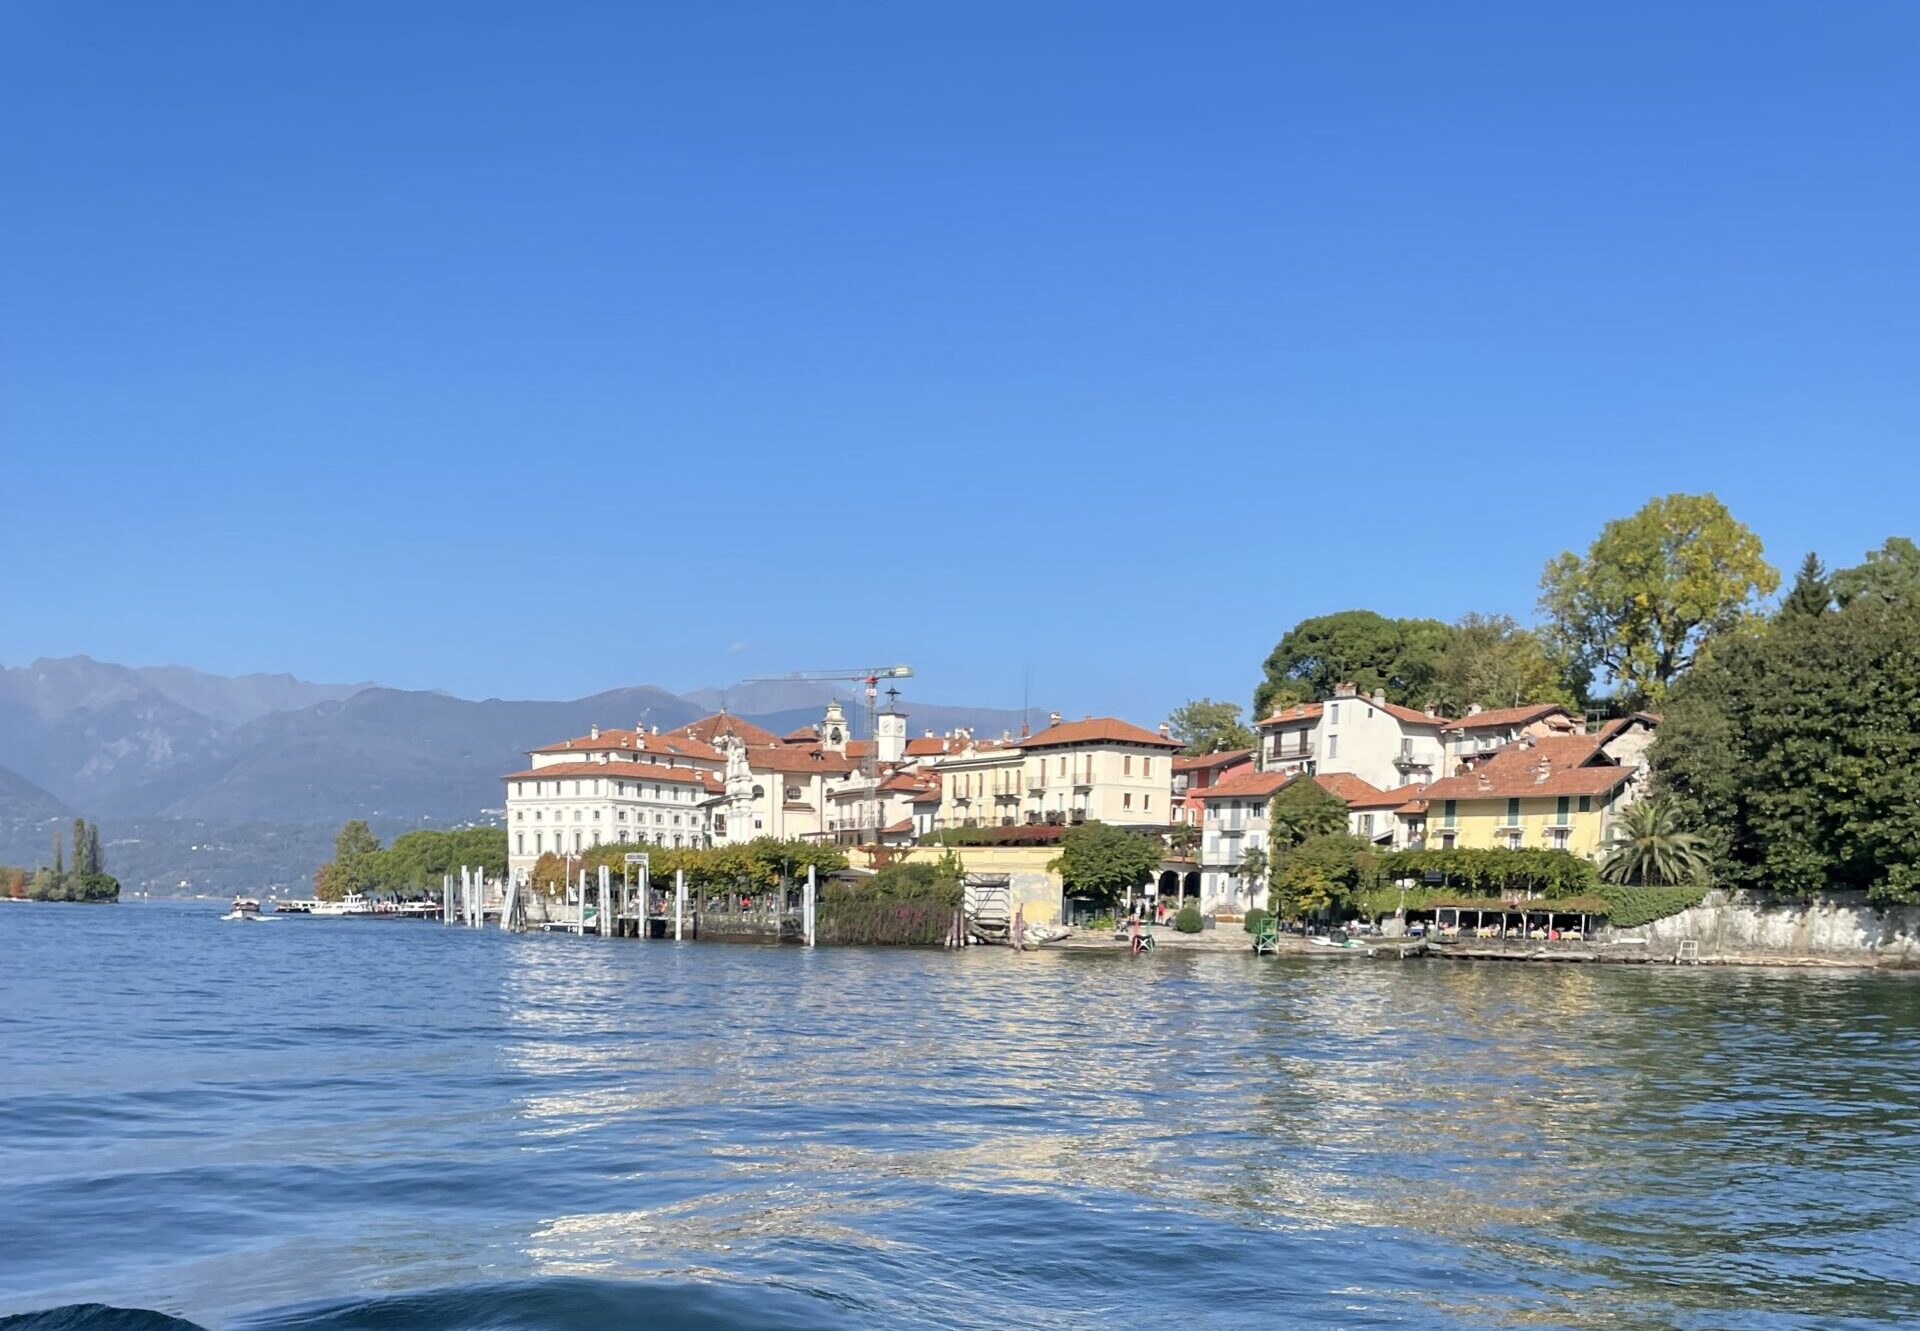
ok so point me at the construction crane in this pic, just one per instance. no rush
(869, 677)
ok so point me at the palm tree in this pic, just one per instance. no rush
(1649, 845)
(1252, 870)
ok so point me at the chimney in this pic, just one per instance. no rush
(1544, 771)
(656, 730)
(593, 732)
(1485, 783)
(1379, 698)
(1164, 729)
(1473, 709)
(1053, 718)
(1348, 690)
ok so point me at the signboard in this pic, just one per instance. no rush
(636, 857)
(1433, 876)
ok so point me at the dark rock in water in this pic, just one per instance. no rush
(94, 1317)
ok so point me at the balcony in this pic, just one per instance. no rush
(1407, 758)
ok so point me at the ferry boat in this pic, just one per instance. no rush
(353, 903)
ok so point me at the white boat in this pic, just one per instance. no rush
(244, 908)
(353, 903)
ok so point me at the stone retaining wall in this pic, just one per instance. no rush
(1740, 923)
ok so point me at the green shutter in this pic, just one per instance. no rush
(1586, 804)
(1449, 814)
(1513, 811)
(1560, 811)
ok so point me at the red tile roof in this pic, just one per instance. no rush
(1195, 762)
(1523, 782)
(1502, 717)
(1347, 786)
(895, 829)
(1388, 799)
(1305, 711)
(708, 730)
(927, 746)
(1096, 730)
(1244, 785)
(804, 735)
(793, 758)
(678, 744)
(622, 772)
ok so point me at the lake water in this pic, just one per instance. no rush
(358, 1124)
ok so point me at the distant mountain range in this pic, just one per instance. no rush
(238, 781)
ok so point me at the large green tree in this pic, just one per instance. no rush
(1300, 810)
(1638, 605)
(1493, 661)
(1205, 726)
(1399, 657)
(355, 866)
(1796, 751)
(1318, 874)
(1890, 574)
(1103, 863)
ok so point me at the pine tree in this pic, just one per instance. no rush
(80, 865)
(59, 865)
(1812, 592)
(94, 857)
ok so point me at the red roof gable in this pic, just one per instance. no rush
(622, 772)
(632, 741)
(708, 729)
(1501, 717)
(1096, 730)
(1194, 762)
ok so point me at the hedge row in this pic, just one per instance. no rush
(1630, 907)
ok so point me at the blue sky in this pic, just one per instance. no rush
(533, 350)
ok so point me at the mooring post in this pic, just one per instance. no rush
(509, 897)
(806, 907)
(646, 904)
(605, 920)
(679, 900)
(446, 898)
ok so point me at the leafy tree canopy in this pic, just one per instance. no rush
(1301, 809)
(1495, 662)
(1889, 576)
(1400, 657)
(1103, 863)
(1638, 605)
(1205, 726)
(1796, 750)
(1319, 874)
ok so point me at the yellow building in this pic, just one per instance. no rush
(1559, 793)
(1099, 769)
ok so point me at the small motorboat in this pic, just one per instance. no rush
(244, 908)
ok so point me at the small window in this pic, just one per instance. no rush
(1126, 765)
(1126, 800)
(1513, 811)
(1333, 746)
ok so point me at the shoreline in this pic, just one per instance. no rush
(1392, 949)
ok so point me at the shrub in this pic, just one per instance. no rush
(1188, 920)
(1257, 920)
(1630, 907)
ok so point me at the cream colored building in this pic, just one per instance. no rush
(1363, 735)
(1481, 732)
(611, 786)
(1098, 769)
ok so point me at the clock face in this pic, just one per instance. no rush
(834, 734)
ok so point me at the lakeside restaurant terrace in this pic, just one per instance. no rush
(1572, 919)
